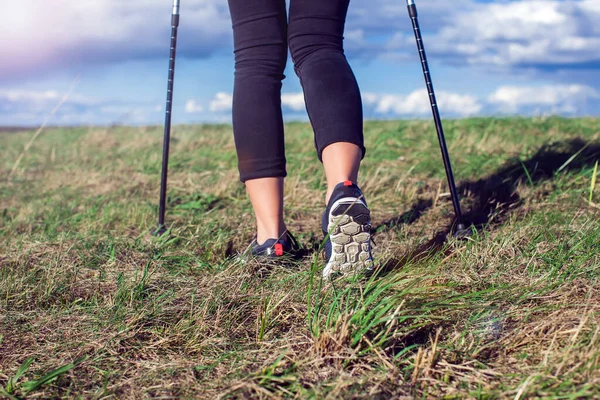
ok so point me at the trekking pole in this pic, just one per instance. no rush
(160, 228)
(460, 230)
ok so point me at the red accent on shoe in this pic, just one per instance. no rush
(347, 183)
(278, 249)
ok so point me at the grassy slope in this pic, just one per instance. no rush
(513, 312)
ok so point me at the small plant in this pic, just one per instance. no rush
(14, 387)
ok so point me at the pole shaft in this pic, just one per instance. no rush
(436, 114)
(169, 108)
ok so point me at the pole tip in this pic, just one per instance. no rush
(462, 232)
(159, 230)
(410, 2)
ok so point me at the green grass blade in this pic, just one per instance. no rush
(12, 382)
(593, 184)
(8, 395)
(574, 156)
(30, 386)
(527, 173)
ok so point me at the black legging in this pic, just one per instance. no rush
(315, 34)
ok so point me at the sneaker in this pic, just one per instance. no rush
(346, 224)
(286, 247)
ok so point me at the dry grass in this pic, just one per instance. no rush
(512, 313)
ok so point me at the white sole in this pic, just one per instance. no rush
(350, 237)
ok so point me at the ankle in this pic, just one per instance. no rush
(273, 232)
(331, 188)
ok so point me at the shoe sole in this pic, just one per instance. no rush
(350, 237)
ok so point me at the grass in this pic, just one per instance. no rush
(92, 306)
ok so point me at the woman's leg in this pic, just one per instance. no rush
(333, 101)
(266, 195)
(341, 161)
(334, 107)
(260, 47)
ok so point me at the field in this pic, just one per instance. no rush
(93, 306)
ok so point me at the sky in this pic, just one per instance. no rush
(106, 61)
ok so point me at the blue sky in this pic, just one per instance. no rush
(525, 57)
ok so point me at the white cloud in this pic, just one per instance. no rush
(413, 104)
(570, 99)
(222, 102)
(29, 95)
(58, 34)
(193, 107)
(55, 35)
(28, 107)
(526, 100)
(532, 33)
(523, 100)
(294, 101)
(591, 6)
(537, 34)
(41, 97)
(417, 103)
(388, 15)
